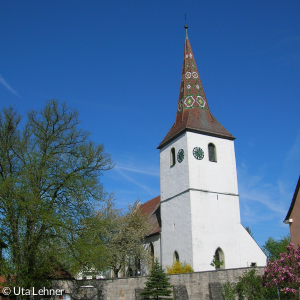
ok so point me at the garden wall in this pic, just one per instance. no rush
(190, 286)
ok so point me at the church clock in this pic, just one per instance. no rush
(198, 153)
(180, 155)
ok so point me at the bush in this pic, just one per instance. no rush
(179, 268)
(249, 286)
(229, 291)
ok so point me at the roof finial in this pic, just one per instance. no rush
(186, 28)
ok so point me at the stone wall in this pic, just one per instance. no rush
(190, 286)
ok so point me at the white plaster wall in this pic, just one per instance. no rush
(173, 180)
(201, 198)
(176, 229)
(215, 223)
(250, 251)
(217, 176)
(155, 240)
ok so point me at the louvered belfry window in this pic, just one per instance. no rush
(172, 157)
(212, 152)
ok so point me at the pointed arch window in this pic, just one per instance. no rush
(212, 155)
(219, 259)
(137, 267)
(175, 256)
(172, 157)
(151, 252)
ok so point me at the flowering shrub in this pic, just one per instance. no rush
(178, 268)
(285, 272)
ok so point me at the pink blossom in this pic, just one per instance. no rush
(285, 272)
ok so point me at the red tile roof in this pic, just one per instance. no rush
(293, 200)
(152, 210)
(193, 112)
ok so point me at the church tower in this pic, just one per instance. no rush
(200, 214)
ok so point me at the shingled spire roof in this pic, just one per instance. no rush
(193, 112)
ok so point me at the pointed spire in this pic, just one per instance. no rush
(193, 112)
(191, 94)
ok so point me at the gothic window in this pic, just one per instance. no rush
(212, 152)
(151, 251)
(175, 257)
(129, 272)
(220, 258)
(137, 267)
(172, 157)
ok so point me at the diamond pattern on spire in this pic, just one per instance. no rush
(191, 89)
(193, 112)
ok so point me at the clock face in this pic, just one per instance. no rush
(198, 153)
(180, 155)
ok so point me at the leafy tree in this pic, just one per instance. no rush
(125, 234)
(157, 285)
(249, 286)
(179, 268)
(90, 245)
(285, 272)
(49, 183)
(229, 291)
(273, 248)
(249, 231)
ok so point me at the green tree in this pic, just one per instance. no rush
(124, 236)
(49, 183)
(90, 254)
(249, 286)
(249, 231)
(229, 291)
(157, 285)
(272, 248)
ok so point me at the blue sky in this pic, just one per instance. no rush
(119, 64)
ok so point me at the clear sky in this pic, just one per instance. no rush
(119, 64)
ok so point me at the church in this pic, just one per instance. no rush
(197, 215)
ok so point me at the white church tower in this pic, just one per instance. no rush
(199, 202)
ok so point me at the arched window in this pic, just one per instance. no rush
(172, 157)
(137, 267)
(175, 257)
(219, 259)
(129, 272)
(212, 152)
(151, 251)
